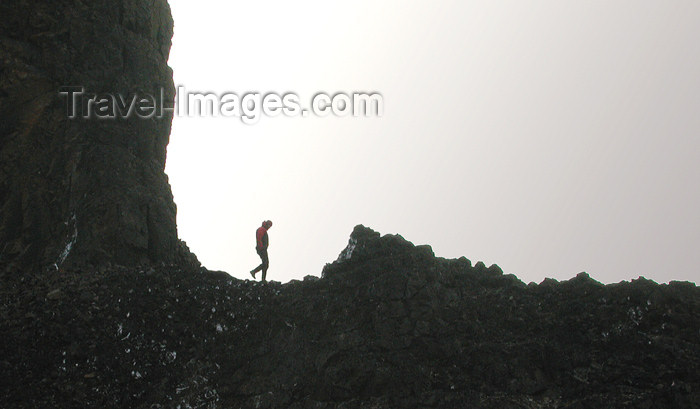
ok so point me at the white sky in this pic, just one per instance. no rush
(549, 137)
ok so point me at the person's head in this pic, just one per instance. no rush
(267, 224)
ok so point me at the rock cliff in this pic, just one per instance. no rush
(84, 191)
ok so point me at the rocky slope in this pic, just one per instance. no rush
(83, 192)
(387, 326)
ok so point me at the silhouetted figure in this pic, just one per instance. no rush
(262, 241)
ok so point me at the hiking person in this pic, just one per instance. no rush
(261, 243)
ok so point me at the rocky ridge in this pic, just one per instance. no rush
(388, 325)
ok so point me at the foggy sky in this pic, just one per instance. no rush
(549, 137)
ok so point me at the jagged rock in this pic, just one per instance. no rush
(387, 326)
(84, 191)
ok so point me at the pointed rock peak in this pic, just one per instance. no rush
(362, 233)
(368, 246)
(365, 243)
(359, 238)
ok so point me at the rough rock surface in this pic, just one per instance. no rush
(83, 191)
(387, 326)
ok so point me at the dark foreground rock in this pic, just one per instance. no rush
(84, 191)
(388, 326)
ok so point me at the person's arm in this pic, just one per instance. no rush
(265, 240)
(259, 234)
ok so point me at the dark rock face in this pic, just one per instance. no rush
(388, 326)
(83, 191)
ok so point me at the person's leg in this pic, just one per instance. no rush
(265, 263)
(263, 257)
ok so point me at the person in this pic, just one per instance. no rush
(261, 243)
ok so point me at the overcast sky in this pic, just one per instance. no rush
(548, 137)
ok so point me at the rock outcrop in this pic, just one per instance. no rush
(84, 191)
(387, 326)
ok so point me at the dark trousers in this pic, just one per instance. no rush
(265, 263)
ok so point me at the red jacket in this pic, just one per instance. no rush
(261, 238)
